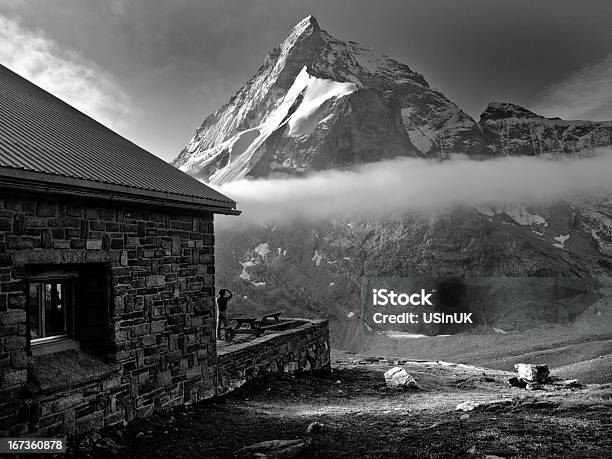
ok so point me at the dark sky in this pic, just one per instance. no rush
(172, 62)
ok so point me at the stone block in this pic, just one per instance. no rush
(13, 378)
(156, 281)
(16, 300)
(116, 244)
(68, 402)
(61, 244)
(13, 316)
(176, 246)
(93, 244)
(290, 367)
(46, 209)
(145, 411)
(158, 326)
(13, 343)
(19, 359)
(89, 423)
(6, 224)
(91, 214)
(19, 224)
(35, 222)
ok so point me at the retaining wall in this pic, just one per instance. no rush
(300, 349)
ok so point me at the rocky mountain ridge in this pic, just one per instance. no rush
(509, 129)
(318, 102)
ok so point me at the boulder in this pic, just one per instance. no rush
(532, 372)
(315, 428)
(397, 377)
(466, 406)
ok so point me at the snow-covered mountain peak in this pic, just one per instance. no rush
(309, 22)
(301, 31)
(318, 102)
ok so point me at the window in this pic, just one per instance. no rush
(51, 310)
(69, 307)
(51, 306)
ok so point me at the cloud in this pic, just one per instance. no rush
(585, 94)
(405, 185)
(64, 73)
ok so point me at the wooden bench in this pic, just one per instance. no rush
(251, 322)
(256, 325)
(273, 315)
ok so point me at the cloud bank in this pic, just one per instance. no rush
(585, 94)
(64, 73)
(405, 185)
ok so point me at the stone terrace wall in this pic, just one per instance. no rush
(161, 346)
(300, 349)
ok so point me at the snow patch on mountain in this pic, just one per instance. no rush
(522, 216)
(561, 241)
(244, 275)
(418, 137)
(317, 92)
(317, 258)
(243, 146)
(517, 212)
(485, 210)
(263, 249)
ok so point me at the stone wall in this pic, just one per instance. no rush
(159, 348)
(304, 348)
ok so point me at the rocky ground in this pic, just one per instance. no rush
(356, 415)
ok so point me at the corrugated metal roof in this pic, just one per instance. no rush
(41, 133)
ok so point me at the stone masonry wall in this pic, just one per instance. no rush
(304, 348)
(161, 324)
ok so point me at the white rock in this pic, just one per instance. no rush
(397, 377)
(466, 406)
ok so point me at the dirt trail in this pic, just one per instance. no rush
(363, 418)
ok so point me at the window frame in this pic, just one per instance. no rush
(55, 343)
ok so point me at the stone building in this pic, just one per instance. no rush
(106, 272)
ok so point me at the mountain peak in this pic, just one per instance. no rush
(312, 20)
(498, 110)
(309, 23)
(306, 107)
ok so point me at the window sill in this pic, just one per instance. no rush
(61, 370)
(52, 346)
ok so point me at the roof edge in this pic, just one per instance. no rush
(22, 179)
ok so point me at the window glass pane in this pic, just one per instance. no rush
(55, 310)
(34, 302)
(50, 308)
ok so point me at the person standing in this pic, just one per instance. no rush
(224, 296)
